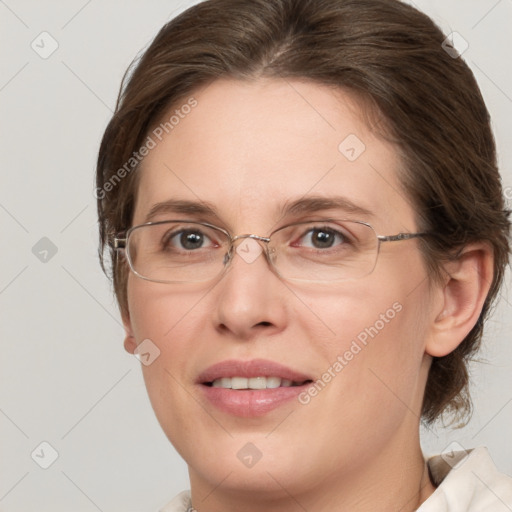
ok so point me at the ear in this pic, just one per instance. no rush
(461, 298)
(129, 341)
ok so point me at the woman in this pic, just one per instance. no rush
(307, 232)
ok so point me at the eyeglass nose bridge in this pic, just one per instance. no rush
(229, 255)
(255, 237)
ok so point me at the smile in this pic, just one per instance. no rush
(251, 388)
(243, 383)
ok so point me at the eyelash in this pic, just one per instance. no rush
(330, 230)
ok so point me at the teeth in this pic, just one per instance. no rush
(225, 382)
(257, 383)
(273, 382)
(253, 383)
(239, 383)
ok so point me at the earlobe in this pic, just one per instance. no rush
(461, 299)
(129, 341)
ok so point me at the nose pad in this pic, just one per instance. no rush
(228, 256)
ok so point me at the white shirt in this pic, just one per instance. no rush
(467, 482)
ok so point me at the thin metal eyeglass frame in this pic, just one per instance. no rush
(121, 243)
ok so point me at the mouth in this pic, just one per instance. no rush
(260, 382)
(251, 388)
(253, 374)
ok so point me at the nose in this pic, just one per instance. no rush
(251, 298)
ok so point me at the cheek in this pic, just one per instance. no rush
(156, 312)
(172, 321)
(374, 345)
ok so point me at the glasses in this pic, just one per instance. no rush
(182, 251)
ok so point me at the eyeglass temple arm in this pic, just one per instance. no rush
(400, 236)
(118, 243)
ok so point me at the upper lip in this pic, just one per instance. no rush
(252, 368)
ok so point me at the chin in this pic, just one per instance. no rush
(250, 463)
(267, 478)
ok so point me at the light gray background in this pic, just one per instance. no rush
(65, 377)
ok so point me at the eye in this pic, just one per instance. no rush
(188, 239)
(323, 237)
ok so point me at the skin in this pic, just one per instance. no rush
(247, 148)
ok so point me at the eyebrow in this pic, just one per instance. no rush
(301, 206)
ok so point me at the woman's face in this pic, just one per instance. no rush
(249, 150)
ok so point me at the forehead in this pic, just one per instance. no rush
(250, 148)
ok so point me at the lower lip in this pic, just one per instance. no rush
(249, 403)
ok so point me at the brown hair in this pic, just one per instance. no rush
(384, 51)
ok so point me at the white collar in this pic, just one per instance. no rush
(468, 482)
